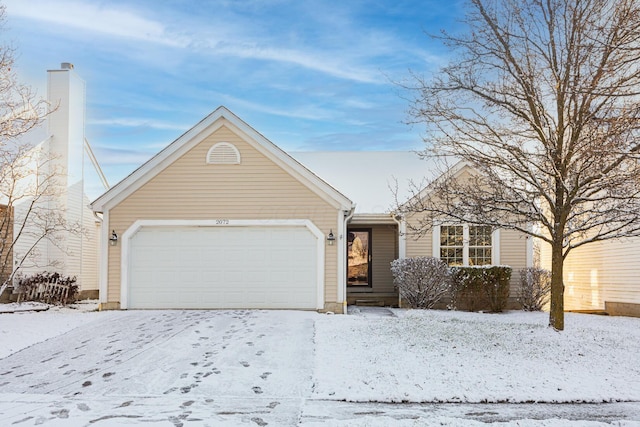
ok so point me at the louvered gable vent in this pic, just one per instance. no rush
(223, 153)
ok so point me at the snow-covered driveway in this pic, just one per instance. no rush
(164, 359)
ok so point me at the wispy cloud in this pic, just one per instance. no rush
(230, 41)
(316, 61)
(124, 157)
(116, 22)
(147, 123)
(305, 112)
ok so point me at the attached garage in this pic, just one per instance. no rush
(234, 265)
(222, 219)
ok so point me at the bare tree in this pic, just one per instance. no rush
(543, 100)
(29, 213)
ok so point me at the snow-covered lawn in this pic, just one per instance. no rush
(22, 325)
(440, 356)
(199, 368)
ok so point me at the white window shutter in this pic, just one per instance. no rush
(435, 241)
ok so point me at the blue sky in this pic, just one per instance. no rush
(309, 75)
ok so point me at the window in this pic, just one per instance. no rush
(452, 244)
(479, 245)
(223, 153)
(466, 245)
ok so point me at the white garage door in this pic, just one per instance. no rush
(223, 267)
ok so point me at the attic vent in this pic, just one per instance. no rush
(223, 153)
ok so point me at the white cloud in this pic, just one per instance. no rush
(313, 61)
(149, 123)
(90, 17)
(306, 112)
(128, 24)
(225, 35)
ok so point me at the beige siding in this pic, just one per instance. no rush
(384, 239)
(513, 252)
(599, 272)
(255, 189)
(417, 245)
(90, 245)
(620, 268)
(582, 276)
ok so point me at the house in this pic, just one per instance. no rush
(223, 218)
(601, 277)
(62, 158)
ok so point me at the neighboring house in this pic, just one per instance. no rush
(61, 140)
(601, 276)
(223, 218)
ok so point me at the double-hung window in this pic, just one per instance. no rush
(465, 245)
(452, 244)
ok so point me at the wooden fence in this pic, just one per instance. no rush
(45, 292)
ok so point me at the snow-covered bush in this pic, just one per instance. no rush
(475, 288)
(535, 287)
(421, 281)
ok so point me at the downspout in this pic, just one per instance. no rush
(402, 234)
(402, 241)
(103, 257)
(343, 248)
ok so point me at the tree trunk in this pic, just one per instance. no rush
(556, 312)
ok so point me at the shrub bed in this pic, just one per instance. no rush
(535, 287)
(421, 281)
(479, 288)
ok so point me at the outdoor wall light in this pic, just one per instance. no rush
(331, 238)
(113, 240)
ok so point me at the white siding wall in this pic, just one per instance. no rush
(73, 254)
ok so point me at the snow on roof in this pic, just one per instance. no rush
(369, 177)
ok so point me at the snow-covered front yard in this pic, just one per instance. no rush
(440, 356)
(182, 368)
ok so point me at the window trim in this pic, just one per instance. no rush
(495, 242)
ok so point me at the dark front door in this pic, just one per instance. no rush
(359, 257)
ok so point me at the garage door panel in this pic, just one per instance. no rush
(223, 267)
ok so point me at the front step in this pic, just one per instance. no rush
(370, 303)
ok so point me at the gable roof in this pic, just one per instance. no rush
(214, 121)
(371, 178)
(452, 172)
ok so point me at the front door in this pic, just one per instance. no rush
(359, 257)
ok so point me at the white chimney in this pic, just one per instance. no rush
(65, 123)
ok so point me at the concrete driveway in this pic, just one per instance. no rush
(159, 366)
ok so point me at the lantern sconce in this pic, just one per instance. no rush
(331, 238)
(113, 239)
